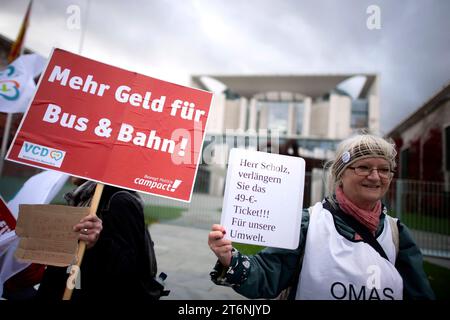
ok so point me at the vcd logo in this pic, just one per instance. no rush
(42, 154)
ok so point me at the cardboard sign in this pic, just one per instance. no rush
(46, 234)
(263, 199)
(117, 127)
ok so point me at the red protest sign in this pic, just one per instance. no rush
(103, 123)
(7, 220)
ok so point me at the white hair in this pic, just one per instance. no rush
(356, 148)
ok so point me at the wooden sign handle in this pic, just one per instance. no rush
(82, 245)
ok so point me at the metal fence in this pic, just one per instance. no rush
(424, 207)
(205, 208)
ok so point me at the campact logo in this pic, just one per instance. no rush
(158, 183)
(42, 154)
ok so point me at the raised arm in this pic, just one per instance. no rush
(220, 246)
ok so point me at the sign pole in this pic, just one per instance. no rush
(82, 246)
(5, 140)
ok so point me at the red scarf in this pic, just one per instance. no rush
(369, 218)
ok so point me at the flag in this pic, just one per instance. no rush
(17, 84)
(16, 48)
(39, 189)
(9, 241)
(9, 265)
(17, 80)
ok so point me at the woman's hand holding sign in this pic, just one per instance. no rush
(220, 246)
(89, 228)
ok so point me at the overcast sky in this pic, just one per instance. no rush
(173, 39)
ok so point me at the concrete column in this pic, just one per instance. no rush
(263, 117)
(306, 117)
(253, 116)
(243, 107)
(292, 119)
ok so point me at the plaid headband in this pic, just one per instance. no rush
(359, 152)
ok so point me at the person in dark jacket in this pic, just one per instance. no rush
(119, 262)
(349, 248)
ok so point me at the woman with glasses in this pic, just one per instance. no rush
(349, 249)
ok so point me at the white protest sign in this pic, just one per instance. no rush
(263, 199)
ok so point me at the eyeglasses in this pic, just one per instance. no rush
(365, 171)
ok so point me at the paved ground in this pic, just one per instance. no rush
(183, 254)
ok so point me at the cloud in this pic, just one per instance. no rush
(171, 40)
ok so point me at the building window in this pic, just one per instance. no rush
(277, 115)
(360, 114)
(410, 161)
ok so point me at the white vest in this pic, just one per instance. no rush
(335, 268)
